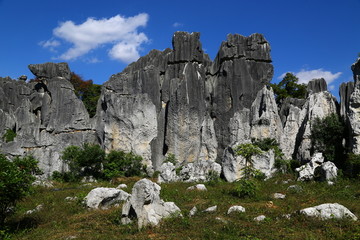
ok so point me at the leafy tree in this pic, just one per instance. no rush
(87, 91)
(247, 150)
(119, 164)
(16, 178)
(327, 135)
(9, 135)
(289, 87)
(84, 161)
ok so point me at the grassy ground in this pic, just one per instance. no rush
(60, 219)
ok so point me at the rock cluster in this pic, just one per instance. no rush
(317, 168)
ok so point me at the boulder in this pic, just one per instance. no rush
(233, 165)
(168, 173)
(317, 169)
(328, 171)
(279, 196)
(200, 171)
(238, 209)
(193, 211)
(329, 211)
(211, 209)
(260, 218)
(103, 198)
(199, 187)
(145, 205)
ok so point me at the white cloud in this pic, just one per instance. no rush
(306, 75)
(177, 24)
(118, 31)
(50, 44)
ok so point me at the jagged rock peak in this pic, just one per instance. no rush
(50, 70)
(356, 70)
(317, 85)
(187, 47)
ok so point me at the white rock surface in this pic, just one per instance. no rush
(103, 198)
(328, 171)
(279, 196)
(328, 211)
(211, 209)
(168, 173)
(236, 209)
(325, 171)
(145, 205)
(260, 218)
(121, 186)
(199, 187)
(37, 209)
(193, 211)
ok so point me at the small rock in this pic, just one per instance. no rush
(200, 187)
(260, 218)
(88, 179)
(221, 220)
(279, 196)
(287, 216)
(236, 209)
(43, 183)
(71, 237)
(37, 209)
(330, 183)
(122, 186)
(193, 211)
(71, 198)
(211, 209)
(125, 221)
(269, 204)
(295, 188)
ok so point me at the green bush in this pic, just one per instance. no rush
(9, 135)
(352, 165)
(16, 178)
(246, 188)
(84, 161)
(121, 164)
(170, 158)
(326, 136)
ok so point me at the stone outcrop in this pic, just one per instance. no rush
(45, 114)
(103, 198)
(329, 211)
(354, 110)
(145, 205)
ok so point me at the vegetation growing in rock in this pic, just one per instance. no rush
(9, 135)
(91, 160)
(87, 91)
(288, 87)
(16, 178)
(327, 135)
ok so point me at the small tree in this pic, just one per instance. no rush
(119, 164)
(16, 178)
(247, 150)
(85, 161)
(327, 135)
(289, 87)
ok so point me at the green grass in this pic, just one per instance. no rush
(60, 219)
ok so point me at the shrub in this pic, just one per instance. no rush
(119, 164)
(9, 135)
(246, 188)
(247, 150)
(85, 161)
(170, 158)
(352, 165)
(327, 135)
(16, 178)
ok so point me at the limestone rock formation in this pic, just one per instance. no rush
(145, 205)
(103, 198)
(233, 165)
(329, 211)
(354, 109)
(45, 114)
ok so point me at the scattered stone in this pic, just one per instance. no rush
(286, 216)
(330, 183)
(295, 188)
(145, 205)
(37, 209)
(193, 211)
(88, 179)
(329, 211)
(221, 220)
(122, 186)
(71, 199)
(199, 187)
(103, 198)
(211, 209)
(43, 183)
(279, 196)
(238, 209)
(71, 237)
(269, 204)
(260, 218)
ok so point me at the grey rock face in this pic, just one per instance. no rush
(103, 198)
(46, 116)
(316, 86)
(233, 166)
(354, 109)
(145, 205)
(329, 211)
(178, 101)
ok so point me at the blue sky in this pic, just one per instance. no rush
(99, 38)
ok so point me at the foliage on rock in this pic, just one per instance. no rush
(9, 135)
(121, 164)
(327, 135)
(289, 87)
(16, 178)
(87, 91)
